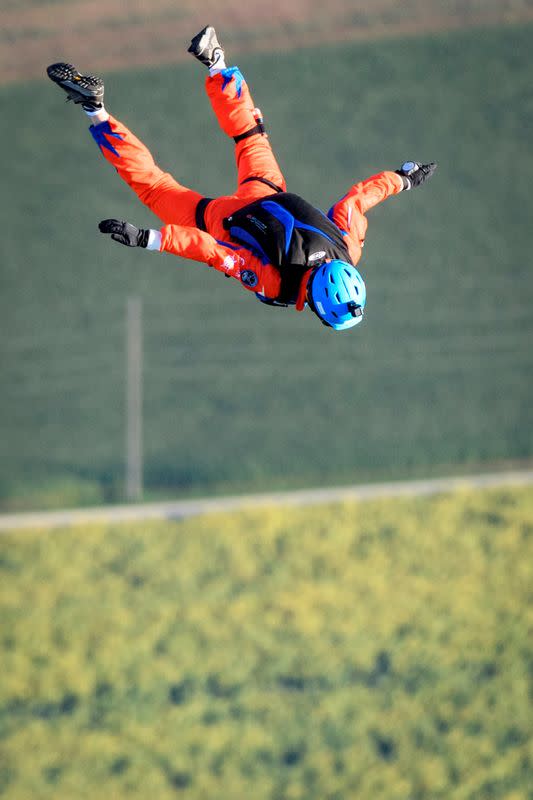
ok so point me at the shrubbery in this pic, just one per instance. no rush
(359, 650)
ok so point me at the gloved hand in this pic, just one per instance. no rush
(125, 232)
(414, 174)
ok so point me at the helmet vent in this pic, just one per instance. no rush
(331, 278)
(326, 290)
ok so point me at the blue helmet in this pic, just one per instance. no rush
(336, 293)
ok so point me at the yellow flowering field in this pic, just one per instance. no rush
(372, 650)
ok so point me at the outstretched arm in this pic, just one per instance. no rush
(349, 212)
(176, 239)
(233, 261)
(363, 196)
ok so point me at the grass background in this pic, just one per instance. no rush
(239, 396)
(363, 650)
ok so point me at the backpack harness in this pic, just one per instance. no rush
(289, 233)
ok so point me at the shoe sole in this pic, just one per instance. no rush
(80, 88)
(201, 43)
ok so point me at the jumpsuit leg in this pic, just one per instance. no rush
(234, 108)
(168, 199)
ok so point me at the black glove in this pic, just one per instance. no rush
(414, 174)
(124, 232)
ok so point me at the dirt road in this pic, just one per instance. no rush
(49, 520)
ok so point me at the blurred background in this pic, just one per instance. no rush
(237, 396)
(357, 650)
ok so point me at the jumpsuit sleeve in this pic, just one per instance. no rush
(349, 212)
(233, 261)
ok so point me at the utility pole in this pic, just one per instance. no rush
(134, 369)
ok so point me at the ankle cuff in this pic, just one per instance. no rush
(220, 66)
(101, 113)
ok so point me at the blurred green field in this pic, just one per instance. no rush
(238, 396)
(352, 651)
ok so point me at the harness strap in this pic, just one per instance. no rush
(259, 128)
(199, 214)
(263, 180)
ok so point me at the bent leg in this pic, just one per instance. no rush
(171, 202)
(233, 105)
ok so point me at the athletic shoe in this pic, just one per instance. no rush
(85, 89)
(206, 48)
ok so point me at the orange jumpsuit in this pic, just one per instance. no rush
(177, 205)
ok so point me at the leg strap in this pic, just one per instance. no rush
(259, 128)
(263, 180)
